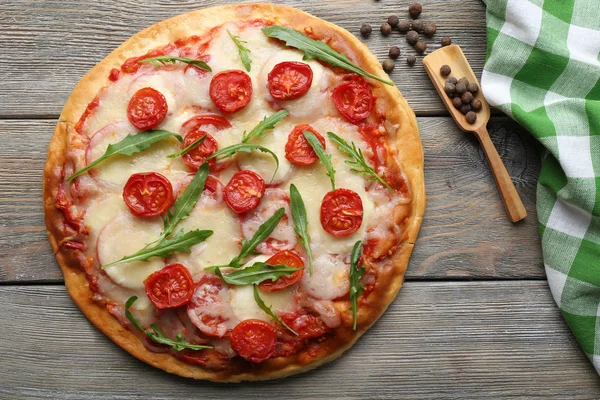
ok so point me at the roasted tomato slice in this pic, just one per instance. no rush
(341, 212)
(289, 258)
(170, 287)
(198, 155)
(148, 194)
(353, 100)
(254, 340)
(231, 90)
(244, 191)
(147, 109)
(305, 325)
(297, 149)
(289, 80)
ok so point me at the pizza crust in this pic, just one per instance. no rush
(410, 155)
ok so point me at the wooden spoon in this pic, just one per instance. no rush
(453, 56)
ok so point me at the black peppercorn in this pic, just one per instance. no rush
(452, 80)
(417, 26)
(386, 29)
(388, 66)
(411, 60)
(460, 88)
(393, 21)
(473, 87)
(412, 37)
(476, 105)
(467, 97)
(420, 47)
(465, 108)
(415, 10)
(450, 89)
(445, 70)
(471, 117)
(365, 30)
(394, 52)
(446, 41)
(404, 26)
(430, 29)
(457, 103)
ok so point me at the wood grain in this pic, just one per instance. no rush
(438, 340)
(465, 233)
(53, 43)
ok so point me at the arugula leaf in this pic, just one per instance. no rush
(322, 154)
(244, 148)
(301, 223)
(130, 145)
(243, 51)
(180, 242)
(156, 334)
(267, 123)
(188, 148)
(256, 273)
(171, 59)
(357, 159)
(268, 310)
(356, 272)
(316, 49)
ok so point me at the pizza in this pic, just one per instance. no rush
(234, 193)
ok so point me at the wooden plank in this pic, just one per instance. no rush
(53, 43)
(465, 233)
(438, 340)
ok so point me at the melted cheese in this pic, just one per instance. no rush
(330, 278)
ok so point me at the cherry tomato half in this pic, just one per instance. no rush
(341, 212)
(170, 287)
(297, 149)
(231, 90)
(244, 191)
(353, 100)
(290, 80)
(148, 194)
(197, 156)
(289, 258)
(254, 340)
(147, 109)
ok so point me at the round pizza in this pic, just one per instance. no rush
(234, 193)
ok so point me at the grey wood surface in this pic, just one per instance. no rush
(438, 340)
(465, 233)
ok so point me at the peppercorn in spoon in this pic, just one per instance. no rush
(458, 87)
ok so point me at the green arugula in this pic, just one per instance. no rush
(188, 148)
(316, 49)
(301, 223)
(269, 311)
(179, 242)
(322, 154)
(357, 159)
(244, 148)
(171, 59)
(156, 334)
(256, 273)
(243, 51)
(267, 123)
(130, 145)
(356, 272)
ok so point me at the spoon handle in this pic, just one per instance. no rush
(510, 197)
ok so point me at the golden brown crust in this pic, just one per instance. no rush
(410, 155)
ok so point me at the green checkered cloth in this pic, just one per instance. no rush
(543, 70)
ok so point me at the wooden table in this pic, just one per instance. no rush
(475, 317)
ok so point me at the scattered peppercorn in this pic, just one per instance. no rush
(393, 21)
(471, 117)
(365, 30)
(386, 29)
(417, 25)
(457, 103)
(465, 108)
(446, 41)
(467, 97)
(412, 37)
(404, 26)
(445, 70)
(420, 47)
(450, 89)
(411, 60)
(415, 10)
(430, 29)
(394, 52)
(452, 80)
(460, 88)
(473, 87)
(476, 105)
(388, 66)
